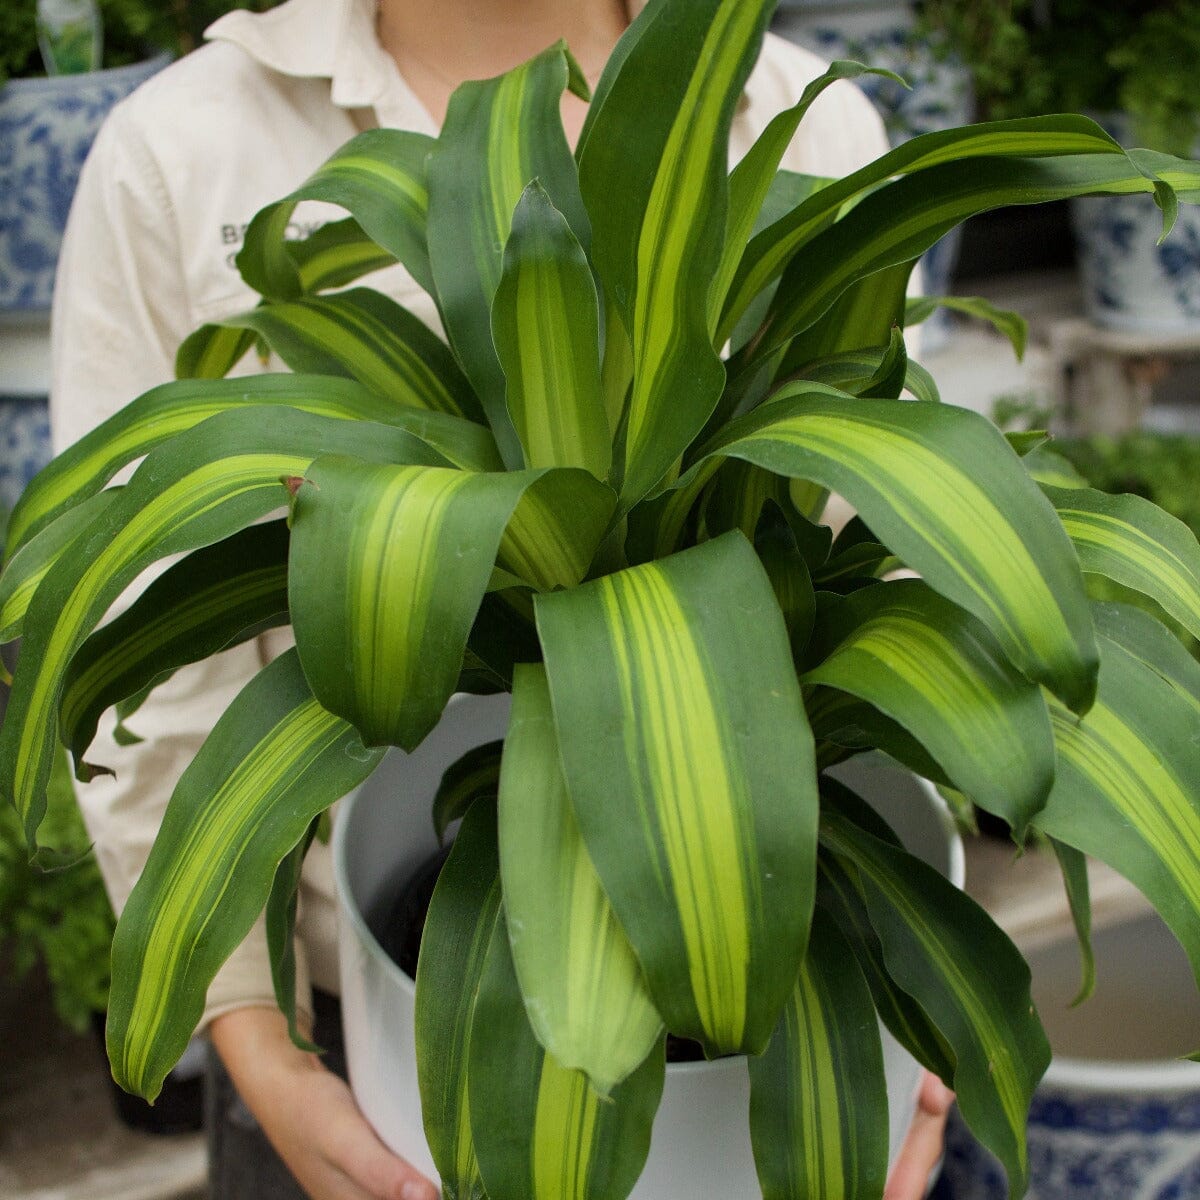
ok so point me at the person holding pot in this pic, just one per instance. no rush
(174, 177)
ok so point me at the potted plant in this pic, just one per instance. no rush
(585, 502)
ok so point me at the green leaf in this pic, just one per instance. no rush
(779, 551)
(818, 1096)
(1073, 865)
(944, 491)
(1136, 543)
(695, 795)
(859, 372)
(1051, 469)
(939, 673)
(26, 569)
(458, 929)
(545, 322)
(163, 412)
(900, 221)
(499, 135)
(583, 988)
(389, 566)
(212, 351)
(475, 776)
(541, 1131)
(337, 254)
(273, 762)
(769, 253)
(362, 334)
(1011, 324)
(946, 952)
(654, 179)
(379, 178)
(282, 906)
(204, 486)
(840, 894)
(1127, 790)
(751, 180)
(215, 598)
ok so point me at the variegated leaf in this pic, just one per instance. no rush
(541, 1131)
(379, 178)
(1137, 544)
(945, 951)
(944, 491)
(654, 180)
(1127, 790)
(818, 1096)
(274, 761)
(583, 988)
(216, 597)
(545, 323)
(694, 793)
(938, 672)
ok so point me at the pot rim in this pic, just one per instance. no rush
(1097, 1076)
(956, 873)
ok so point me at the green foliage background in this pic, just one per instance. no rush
(132, 28)
(61, 919)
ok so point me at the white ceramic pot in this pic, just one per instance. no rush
(701, 1141)
(1117, 1116)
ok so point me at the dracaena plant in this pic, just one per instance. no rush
(601, 493)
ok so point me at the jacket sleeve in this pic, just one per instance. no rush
(120, 309)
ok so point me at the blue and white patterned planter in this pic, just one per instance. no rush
(24, 444)
(1130, 282)
(1106, 1128)
(46, 129)
(880, 34)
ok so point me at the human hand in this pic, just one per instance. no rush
(923, 1143)
(309, 1115)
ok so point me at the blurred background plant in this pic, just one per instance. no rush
(58, 920)
(132, 30)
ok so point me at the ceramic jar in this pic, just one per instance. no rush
(701, 1139)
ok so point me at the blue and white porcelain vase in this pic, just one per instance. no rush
(1117, 1116)
(1130, 282)
(882, 33)
(46, 129)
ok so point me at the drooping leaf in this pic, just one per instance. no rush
(545, 322)
(462, 918)
(273, 762)
(362, 334)
(583, 988)
(387, 571)
(379, 178)
(474, 776)
(937, 671)
(1010, 324)
(943, 950)
(769, 253)
(1127, 788)
(28, 566)
(203, 486)
(1073, 865)
(944, 491)
(818, 1096)
(541, 1131)
(694, 794)
(213, 599)
(1136, 543)
(282, 906)
(163, 412)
